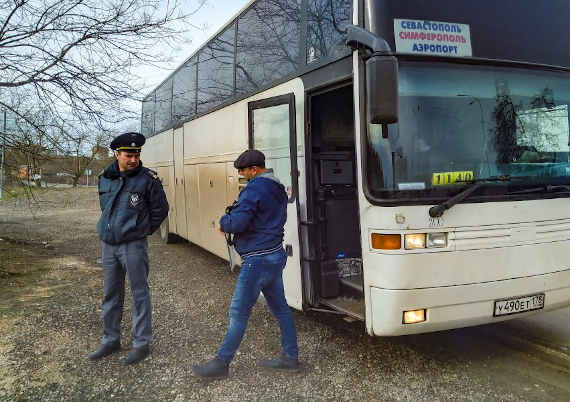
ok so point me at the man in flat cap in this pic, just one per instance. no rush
(257, 222)
(133, 206)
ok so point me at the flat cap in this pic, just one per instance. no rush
(249, 158)
(131, 142)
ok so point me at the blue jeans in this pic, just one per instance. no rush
(260, 274)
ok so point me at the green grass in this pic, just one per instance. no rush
(21, 191)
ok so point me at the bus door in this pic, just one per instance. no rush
(334, 209)
(272, 130)
(179, 193)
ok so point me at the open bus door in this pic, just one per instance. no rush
(272, 130)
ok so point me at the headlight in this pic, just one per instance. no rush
(412, 241)
(415, 241)
(414, 316)
(436, 240)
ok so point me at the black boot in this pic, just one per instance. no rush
(105, 349)
(136, 355)
(282, 363)
(214, 368)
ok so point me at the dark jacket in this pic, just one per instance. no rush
(258, 217)
(133, 204)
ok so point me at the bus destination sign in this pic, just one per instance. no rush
(432, 38)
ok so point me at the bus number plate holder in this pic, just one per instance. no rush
(518, 305)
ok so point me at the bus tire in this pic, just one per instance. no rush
(165, 236)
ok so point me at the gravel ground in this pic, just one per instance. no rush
(50, 292)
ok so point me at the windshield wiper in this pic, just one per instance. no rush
(547, 188)
(438, 210)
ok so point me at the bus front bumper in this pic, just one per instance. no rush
(462, 305)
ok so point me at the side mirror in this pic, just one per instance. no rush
(381, 76)
(382, 89)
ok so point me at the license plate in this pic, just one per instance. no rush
(518, 305)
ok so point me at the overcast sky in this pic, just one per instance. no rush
(213, 15)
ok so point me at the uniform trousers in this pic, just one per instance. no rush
(129, 258)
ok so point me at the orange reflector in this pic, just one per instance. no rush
(386, 241)
(414, 316)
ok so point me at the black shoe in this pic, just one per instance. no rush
(105, 349)
(282, 363)
(214, 368)
(136, 355)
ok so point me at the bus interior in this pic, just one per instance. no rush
(336, 260)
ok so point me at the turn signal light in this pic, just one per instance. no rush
(386, 241)
(414, 316)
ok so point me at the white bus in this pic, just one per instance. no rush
(424, 150)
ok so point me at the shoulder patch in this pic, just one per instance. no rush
(152, 173)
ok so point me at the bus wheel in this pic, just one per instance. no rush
(165, 235)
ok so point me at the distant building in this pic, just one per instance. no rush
(29, 173)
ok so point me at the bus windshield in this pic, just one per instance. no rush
(463, 122)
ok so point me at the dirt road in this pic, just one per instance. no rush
(50, 291)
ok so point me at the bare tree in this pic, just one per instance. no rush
(77, 56)
(82, 147)
(71, 63)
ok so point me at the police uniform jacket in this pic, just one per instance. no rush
(133, 204)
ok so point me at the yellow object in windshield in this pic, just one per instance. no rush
(442, 178)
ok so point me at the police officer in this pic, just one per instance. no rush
(133, 206)
(257, 222)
